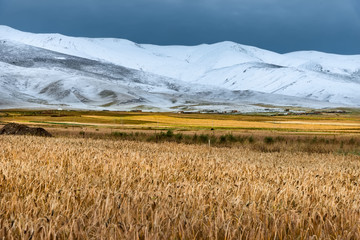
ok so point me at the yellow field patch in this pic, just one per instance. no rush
(192, 122)
(318, 123)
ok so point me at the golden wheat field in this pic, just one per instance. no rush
(64, 188)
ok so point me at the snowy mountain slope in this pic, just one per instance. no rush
(267, 78)
(220, 55)
(170, 76)
(35, 77)
(185, 63)
(45, 77)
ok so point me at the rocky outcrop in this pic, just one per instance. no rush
(20, 129)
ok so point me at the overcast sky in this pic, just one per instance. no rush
(277, 25)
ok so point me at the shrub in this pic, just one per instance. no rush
(195, 138)
(213, 139)
(119, 134)
(231, 138)
(161, 136)
(204, 138)
(222, 139)
(269, 140)
(241, 139)
(188, 138)
(179, 137)
(169, 133)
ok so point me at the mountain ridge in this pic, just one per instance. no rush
(326, 80)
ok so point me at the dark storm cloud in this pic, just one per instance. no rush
(279, 25)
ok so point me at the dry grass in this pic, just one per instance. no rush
(255, 123)
(101, 189)
(346, 123)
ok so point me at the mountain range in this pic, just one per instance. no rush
(57, 71)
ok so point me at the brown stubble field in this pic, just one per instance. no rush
(83, 188)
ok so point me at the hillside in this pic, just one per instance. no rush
(48, 70)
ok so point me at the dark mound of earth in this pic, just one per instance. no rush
(19, 129)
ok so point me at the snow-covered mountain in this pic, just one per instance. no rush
(45, 70)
